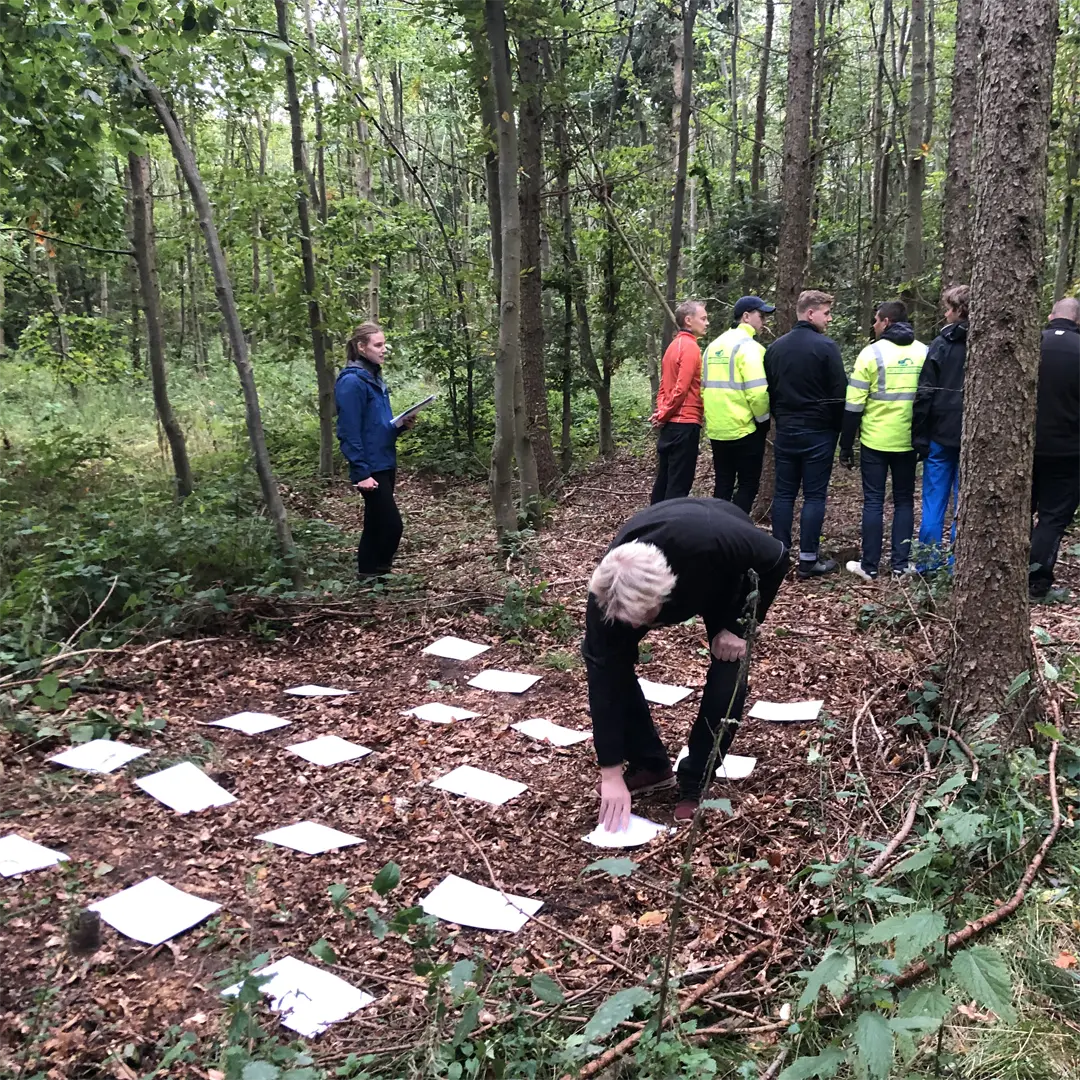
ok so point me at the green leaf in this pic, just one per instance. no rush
(831, 966)
(614, 867)
(926, 1003)
(276, 45)
(378, 925)
(961, 827)
(723, 805)
(982, 973)
(874, 1044)
(614, 1011)
(1050, 672)
(323, 950)
(339, 891)
(822, 1066)
(48, 686)
(546, 989)
(260, 1070)
(957, 780)
(466, 1025)
(81, 733)
(921, 858)
(1017, 685)
(387, 878)
(462, 973)
(1040, 635)
(912, 931)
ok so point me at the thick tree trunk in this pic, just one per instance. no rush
(992, 634)
(216, 257)
(796, 196)
(530, 137)
(757, 173)
(956, 205)
(916, 158)
(1068, 210)
(145, 247)
(324, 375)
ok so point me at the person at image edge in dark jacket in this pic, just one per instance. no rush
(368, 439)
(1055, 485)
(936, 424)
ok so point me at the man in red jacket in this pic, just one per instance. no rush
(679, 413)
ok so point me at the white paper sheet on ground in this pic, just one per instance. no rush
(639, 831)
(732, 767)
(546, 731)
(437, 713)
(313, 690)
(99, 755)
(455, 648)
(504, 682)
(251, 723)
(184, 788)
(460, 901)
(328, 750)
(309, 999)
(153, 911)
(787, 712)
(473, 783)
(19, 855)
(309, 837)
(663, 693)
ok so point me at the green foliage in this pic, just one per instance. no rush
(525, 610)
(96, 352)
(616, 867)
(981, 972)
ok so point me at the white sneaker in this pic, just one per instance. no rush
(855, 567)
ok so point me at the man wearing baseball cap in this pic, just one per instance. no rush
(735, 397)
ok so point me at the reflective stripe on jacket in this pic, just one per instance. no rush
(882, 389)
(734, 390)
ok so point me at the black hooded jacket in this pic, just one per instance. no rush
(1057, 423)
(938, 413)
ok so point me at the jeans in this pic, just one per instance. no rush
(676, 461)
(738, 461)
(382, 526)
(806, 458)
(940, 496)
(1055, 495)
(876, 466)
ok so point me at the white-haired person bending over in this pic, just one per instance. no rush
(675, 560)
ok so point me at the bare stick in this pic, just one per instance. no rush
(93, 615)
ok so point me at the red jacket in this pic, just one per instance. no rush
(679, 398)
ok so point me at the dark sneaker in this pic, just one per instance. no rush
(645, 781)
(817, 569)
(685, 809)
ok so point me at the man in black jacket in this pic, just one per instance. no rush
(677, 559)
(807, 384)
(936, 423)
(1055, 485)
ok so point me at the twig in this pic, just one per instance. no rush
(93, 615)
(967, 751)
(905, 829)
(855, 747)
(777, 1064)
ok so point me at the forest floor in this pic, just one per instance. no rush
(66, 1015)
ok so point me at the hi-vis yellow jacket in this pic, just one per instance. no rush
(733, 387)
(882, 388)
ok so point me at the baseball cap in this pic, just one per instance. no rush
(751, 303)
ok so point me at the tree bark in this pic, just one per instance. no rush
(916, 158)
(1068, 210)
(316, 105)
(530, 138)
(216, 257)
(757, 173)
(145, 247)
(992, 633)
(956, 205)
(796, 196)
(324, 376)
(879, 180)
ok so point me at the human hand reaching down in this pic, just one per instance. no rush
(370, 484)
(728, 646)
(614, 799)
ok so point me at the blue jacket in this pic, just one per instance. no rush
(364, 430)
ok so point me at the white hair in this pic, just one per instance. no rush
(631, 582)
(1068, 307)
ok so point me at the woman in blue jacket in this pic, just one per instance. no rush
(368, 439)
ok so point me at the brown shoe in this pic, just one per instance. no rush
(685, 809)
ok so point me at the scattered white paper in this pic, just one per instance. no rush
(455, 648)
(463, 902)
(309, 837)
(328, 750)
(19, 855)
(732, 767)
(546, 731)
(184, 788)
(663, 693)
(638, 831)
(99, 755)
(505, 682)
(309, 999)
(312, 690)
(477, 784)
(787, 712)
(153, 911)
(437, 713)
(251, 723)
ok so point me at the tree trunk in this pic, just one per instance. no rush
(689, 15)
(216, 257)
(956, 205)
(992, 633)
(316, 105)
(3, 344)
(530, 135)
(323, 374)
(757, 173)
(103, 293)
(796, 196)
(145, 247)
(916, 159)
(879, 180)
(611, 327)
(734, 118)
(1068, 209)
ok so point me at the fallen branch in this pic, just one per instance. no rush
(875, 868)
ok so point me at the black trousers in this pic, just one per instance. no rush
(676, 461)
(738, 462)
(382, 526)
(1055, 495)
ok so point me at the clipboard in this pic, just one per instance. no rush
(396, 421)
